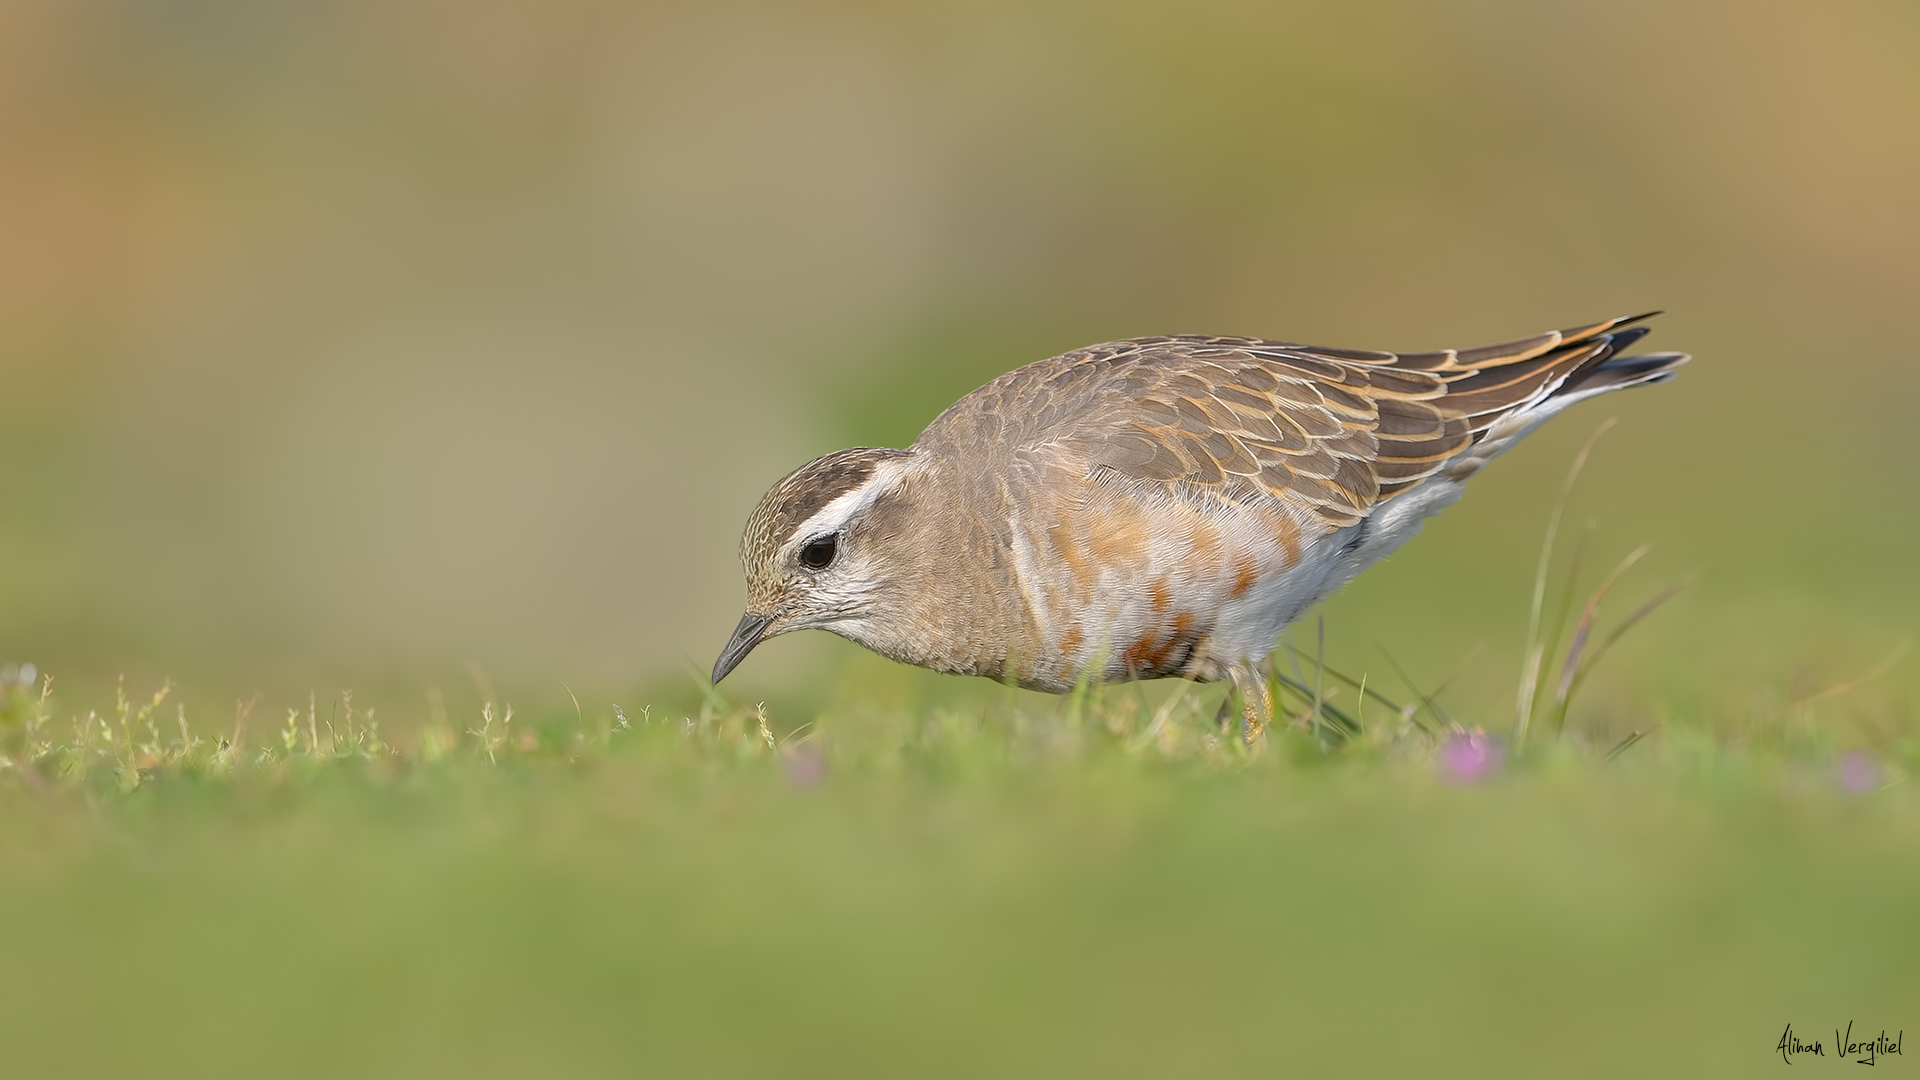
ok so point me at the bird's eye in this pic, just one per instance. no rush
(818, 553)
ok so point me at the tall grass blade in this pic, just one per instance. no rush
(1875, 672)
(1319, 664)
(1432, 701)
(1532, 656)
(1529, 689)
(1582, 633)
(1558, 622)
(1623, 745)
(1343, 725)
(1627, 624)
(1361, 685)
(1161, 717)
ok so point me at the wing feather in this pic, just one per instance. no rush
(1328, 432)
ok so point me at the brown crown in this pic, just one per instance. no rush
(802, 494)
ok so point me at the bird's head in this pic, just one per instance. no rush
(815, 550)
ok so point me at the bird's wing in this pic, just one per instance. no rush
(1330, 432)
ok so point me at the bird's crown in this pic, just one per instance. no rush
(824, 488)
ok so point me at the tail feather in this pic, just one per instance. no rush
(1505, 391)
(1621, 372)
(1495, 384)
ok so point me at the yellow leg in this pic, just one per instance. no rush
(1256, 703)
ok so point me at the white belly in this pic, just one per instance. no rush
(1147, 602)
(1248, 630)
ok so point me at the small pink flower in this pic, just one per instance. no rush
(1858, 772)
(1469, 757)
(804, 765)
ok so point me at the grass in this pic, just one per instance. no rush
(1101, 885)
(991, 883)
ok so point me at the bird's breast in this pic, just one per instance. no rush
(1119, 586)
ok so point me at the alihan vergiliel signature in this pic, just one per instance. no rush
(1844, 1046)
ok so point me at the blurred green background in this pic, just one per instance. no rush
(370, 344)
(355, 340)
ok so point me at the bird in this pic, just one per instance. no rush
(1159, 507)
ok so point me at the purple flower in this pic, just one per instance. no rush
(804, 765)
(1858, 772)
(1469, 757)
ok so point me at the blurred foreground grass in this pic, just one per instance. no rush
(1006, 886)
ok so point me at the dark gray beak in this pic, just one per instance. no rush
(745, 636)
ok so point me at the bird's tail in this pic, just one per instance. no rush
(1508, 390)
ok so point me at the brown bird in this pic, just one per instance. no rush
(1159, 507)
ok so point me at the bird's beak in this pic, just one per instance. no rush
(745, 636)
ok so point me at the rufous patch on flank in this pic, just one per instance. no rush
(1135, 658)
(1286, 531)
(1153, 651)
(1062, 541)
(1071, 641)
(1245, 569)
(1204, 537)
(1118, 539)
(1162, 596)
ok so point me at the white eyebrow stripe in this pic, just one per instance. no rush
(834, 516)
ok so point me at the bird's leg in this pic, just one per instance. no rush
(1224, 715)
(1256, 703)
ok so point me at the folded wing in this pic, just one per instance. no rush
(1332, 432)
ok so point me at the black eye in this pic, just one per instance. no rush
(818, 553)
